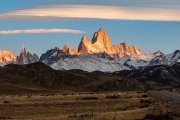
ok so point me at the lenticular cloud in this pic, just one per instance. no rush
(38, 31)
(73, 12)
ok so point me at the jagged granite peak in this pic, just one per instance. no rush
(177, 52)
(134, 50)
(122, 50)
(23, 47)
(66, 49)
(158, 53)
(23, 56)
(74, 51)
(48, 54)
(53, 55)
(84, 46)
(101, 43)
(26, 57)
(32, 57)
(140, 60)
(6, 58)
(56, 49)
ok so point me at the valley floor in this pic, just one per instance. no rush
(89, 106)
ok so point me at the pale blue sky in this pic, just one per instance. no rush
(147, 35)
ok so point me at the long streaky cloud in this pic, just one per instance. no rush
(72, 12)
(38, 31)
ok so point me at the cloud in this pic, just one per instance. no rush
(73, 12)
(37, 31)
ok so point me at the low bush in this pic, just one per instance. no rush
(144, 96)
(89, 98)
(6, 102)
(113, 97)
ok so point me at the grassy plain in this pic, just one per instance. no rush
(87, 106)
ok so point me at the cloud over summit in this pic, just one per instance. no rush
(71, 12)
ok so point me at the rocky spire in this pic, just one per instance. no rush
(101, 41)
(74, 51)
(23, 47)
(23, 56)
(26, 58)
(66, 49)
(84, 46)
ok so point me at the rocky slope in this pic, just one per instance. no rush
(6, 58)
(140, 60)
(89, 62)
(169, 59)
(37, 75)
(59, 59)
(160, 76)
(153, 77)
(26, 57)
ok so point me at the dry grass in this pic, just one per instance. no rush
(82, 106)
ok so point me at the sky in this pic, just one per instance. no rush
(40, 25)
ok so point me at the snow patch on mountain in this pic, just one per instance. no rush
(169, 59)
(86, 62)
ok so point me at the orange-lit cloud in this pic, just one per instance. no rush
(71, 12)
(36, 31)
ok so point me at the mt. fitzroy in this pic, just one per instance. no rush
(101, 43)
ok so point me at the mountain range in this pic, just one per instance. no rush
(93, 55)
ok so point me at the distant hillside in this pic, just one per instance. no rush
(39, 76)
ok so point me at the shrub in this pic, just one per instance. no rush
(64, 94)
(144, 96)
(89, 98)
(113, 97)
(6, 102)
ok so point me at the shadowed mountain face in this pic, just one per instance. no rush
(154, 77)
(159, 76)
(38, 75)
